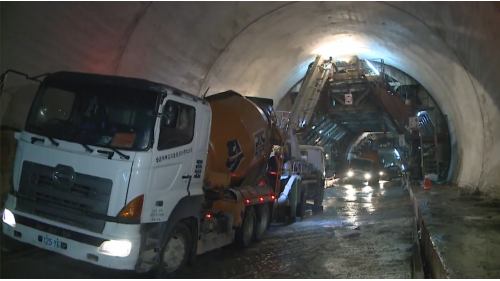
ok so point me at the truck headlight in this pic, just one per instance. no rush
(368, 176)
(350, 174)
(116, 248)
(381, 173)
(8, 218)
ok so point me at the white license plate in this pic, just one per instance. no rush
(50, 241)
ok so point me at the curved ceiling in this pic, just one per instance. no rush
(262, 49)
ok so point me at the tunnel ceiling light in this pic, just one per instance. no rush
(396, 152)
(320, 131)
(420, 113)
(341, 48)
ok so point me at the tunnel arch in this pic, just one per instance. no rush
(263, 49)
(383, 22)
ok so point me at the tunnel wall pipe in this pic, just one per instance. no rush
(260, 49)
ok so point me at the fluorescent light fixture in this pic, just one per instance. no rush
(320, 131)
(372, 67)
(314, 127)
(396, 152)
(116, 248)
(402, 167)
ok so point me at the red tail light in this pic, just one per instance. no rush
(262, 182)
(248, 201)
(261, 199)
(273, 197)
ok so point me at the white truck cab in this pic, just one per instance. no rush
(314, 155)
(315, 182)
(97, 165)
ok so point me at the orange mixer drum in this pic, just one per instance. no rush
(240, 135)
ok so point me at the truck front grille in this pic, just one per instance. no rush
(72, 204)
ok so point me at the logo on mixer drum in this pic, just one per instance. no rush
(260, 144)
(235, 154)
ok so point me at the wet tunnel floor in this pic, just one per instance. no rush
(364, 232)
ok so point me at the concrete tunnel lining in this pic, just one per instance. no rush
(263, 49)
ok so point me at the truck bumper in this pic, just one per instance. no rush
(77, 245)
(356, 178)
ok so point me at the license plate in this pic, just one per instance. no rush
(52, 242)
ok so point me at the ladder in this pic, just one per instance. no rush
(309, 93)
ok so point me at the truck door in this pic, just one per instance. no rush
(202, 129)
(173, 156)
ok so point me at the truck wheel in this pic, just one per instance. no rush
(175, 251)
(318, 196)
(246, 233)
(301, 208)
(318, 200)
(263, 224)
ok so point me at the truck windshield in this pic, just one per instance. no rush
(361, 164)
(101, 115)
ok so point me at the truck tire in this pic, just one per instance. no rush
(264, 218)
(175, 251)
(246, 233)
(318, 200)
(301, 207)
(318, 196)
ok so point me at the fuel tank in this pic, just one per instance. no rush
(240, 139)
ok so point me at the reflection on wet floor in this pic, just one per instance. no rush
(364, 232)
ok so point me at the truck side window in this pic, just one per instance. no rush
(181, 132)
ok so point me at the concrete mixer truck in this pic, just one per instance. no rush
(129, 174)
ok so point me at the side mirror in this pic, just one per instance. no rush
(170, 115)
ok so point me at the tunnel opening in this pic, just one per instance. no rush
(366, 105)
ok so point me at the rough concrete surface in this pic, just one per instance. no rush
(262, 49)
(464, 231)
(364, 232)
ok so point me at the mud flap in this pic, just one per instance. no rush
(149, 250)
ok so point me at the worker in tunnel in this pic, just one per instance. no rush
(273, 167)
